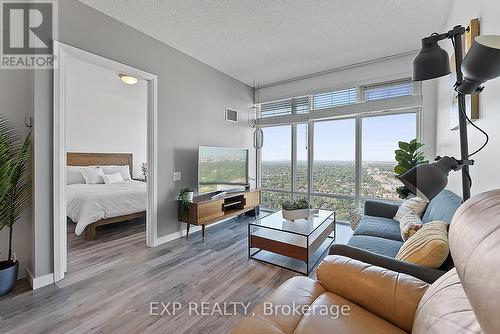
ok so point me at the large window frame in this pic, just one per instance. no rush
(295, 119)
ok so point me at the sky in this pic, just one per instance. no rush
(335, 140)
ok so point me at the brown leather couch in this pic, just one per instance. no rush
(350, 296)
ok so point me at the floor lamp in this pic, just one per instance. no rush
(481, 63)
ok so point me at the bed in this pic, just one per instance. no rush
(92, 205)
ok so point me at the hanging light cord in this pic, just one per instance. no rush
(474, 125)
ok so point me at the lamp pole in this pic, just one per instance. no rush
(456, 34)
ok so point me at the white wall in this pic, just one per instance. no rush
(374, 72)
(191, 101)
(16, 94)
(105, 115)
(484, 173)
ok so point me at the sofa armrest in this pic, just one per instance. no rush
(380, 209)
(391, 295)
(426, 274)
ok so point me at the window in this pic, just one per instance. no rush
(276, 166)
(334, 99)
(380, 139)
(334, 157)
(388, 90)
(298, 105)
(352, 152)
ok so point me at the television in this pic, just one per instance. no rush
(221, 169)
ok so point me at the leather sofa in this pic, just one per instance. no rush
(466, 299)
(377, 239)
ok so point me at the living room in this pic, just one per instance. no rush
(291, 172)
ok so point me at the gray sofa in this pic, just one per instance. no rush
(377, 239)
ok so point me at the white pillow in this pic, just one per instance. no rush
(92, 174)
(123, 170)
(415, 204)
(74, 175)
(112, 178)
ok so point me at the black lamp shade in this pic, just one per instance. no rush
(432, 62)
(481, 63)
(428, 180)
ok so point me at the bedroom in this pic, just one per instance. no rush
(106, 159)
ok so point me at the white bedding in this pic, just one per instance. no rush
(88, 203)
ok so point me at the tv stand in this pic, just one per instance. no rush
(205, 209)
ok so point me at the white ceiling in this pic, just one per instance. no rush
(272, 40)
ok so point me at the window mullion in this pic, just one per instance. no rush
(294, 158)
(358, 161)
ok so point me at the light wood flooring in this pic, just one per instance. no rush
(112, 281)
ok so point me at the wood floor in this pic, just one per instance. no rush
(112, 281)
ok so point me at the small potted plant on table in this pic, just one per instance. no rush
(15, 193)
(298, 209)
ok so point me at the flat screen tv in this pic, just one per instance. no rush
(221, 169)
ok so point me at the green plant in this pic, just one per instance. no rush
(183, 203)
(408, 156)
(298, 204)
(15, 178)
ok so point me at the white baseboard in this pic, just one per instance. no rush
(39, 282)
(182, 233)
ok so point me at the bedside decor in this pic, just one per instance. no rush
(144, 170)
(15, 193)
(298, 209)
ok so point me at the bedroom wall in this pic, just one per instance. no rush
(191, 101)
(16, 94)
(104, 114)
(484, 172)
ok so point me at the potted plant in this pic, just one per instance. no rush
(298, 209)
(184, 198)
(408, 156)
(15, 193)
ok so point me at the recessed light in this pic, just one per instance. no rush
(128, 79)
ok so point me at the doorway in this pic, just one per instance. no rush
(90, 162)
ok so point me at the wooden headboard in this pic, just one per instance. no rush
(99, 159)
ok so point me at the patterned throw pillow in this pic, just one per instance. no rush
(409, 224)
(428, 246)
(356, 216)
(414, 204)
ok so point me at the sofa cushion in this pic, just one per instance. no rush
(298, 291)
(427, 247)
(444, 308)
(442, 207)
(377, 245)
(357, 320)
(379, 227)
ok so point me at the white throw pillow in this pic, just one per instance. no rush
(112, 178)
(92, 174)
(74, 175)
(123, 170)
(409, 225)
(415, 204)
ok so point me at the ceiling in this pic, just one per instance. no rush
(272, 40)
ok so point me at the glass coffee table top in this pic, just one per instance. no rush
(304, 227)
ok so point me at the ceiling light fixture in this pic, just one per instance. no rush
(128, 79)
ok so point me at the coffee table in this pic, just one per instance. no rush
(302, 239)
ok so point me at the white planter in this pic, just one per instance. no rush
(190, 196)
(296, 214)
